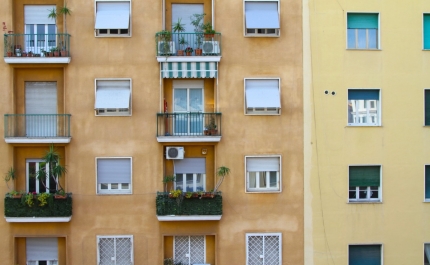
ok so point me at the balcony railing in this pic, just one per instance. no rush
(189, 124)
(188, 209)
(198, 44)
(35, 46)
(37, 126)
(56, 210)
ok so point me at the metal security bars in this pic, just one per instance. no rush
(37, 125)
(188, 44)
(37, 45)
(263, 249)
(189, 124)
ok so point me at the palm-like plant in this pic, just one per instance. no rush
(65, 11)
(221, 172)
(56, 170)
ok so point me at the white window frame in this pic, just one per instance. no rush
(164, 13)
(117, 35)
(115, 237)
(368, 189)
(110, 191)
(184, 180)
(367, 32)
(277, 33)
(27, 175)
(261, 111)
(368, 115)
(264, 190)
(189, 246)
(248, 235)
(108, 112)
(370, 244)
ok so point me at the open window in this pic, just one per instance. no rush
(262, 18)
(262, 96)
(113, 97)
(113, 18)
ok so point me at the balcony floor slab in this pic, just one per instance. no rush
(38, 219)
(47, 140)
(188, 139)
(173, 218)
(37, 60)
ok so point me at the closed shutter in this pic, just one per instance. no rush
(426, 31)
(262, 93)
(363, 94)
(364, 176)
(190, 166)
(115, 170)
(427, 184)
(363, 21)
(113, 15)
(41, 97)
(258, 164)
(38, 14)
(38, 248)
(184, 12)
(427, 107)
(365, 255)
(113, 94)
(261, 15)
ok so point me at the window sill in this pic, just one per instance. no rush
(363, 49)
(112, 36)
(263, 191)
(114, 193)
(261, 36)
(362, 125)
(365, 202)
(426, 201)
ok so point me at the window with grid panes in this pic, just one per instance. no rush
(115, 250)
(263, 249)
(189, 249)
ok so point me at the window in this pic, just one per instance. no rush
(261, 18)
(427, 183)
(426, 107)
(364, 183)
(365, 255)
(263, 248)
(190, 174)
(113, 97)
(113, 175)
(364, 107)
(263, 173)
(42, 250)
(189, 249)
(426, 26)
(40, 28)
(113, 18)
(262, 96)
(363, 30)
(35, 184)
(115, 250)
(427, 254)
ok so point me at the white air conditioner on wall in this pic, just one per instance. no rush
(210, 47)
(175, 152)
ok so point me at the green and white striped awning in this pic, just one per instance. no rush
(189, 70)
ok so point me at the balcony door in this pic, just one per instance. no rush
(190, 249)
(40, 109)
(34, 184)
(188, 107)
(39, 29)
(184, 12)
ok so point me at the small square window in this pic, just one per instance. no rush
(427, 254)
(113, 18)
(264, 248)
(426, 107)
(427, 182)
(426, 29)
(261, 18)
(365, 183)
(113, 175)
(365, 254)
(364, 107)
(113, 97)
(263, 173)
(262, 96)
(115, 250)
(362, 30)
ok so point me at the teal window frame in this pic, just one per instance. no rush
(366, 254)
(426, 31)
(363, 31)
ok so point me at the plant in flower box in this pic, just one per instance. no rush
(60, 194)
(175, 193)
(189, 51)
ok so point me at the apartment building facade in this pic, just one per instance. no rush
(366, 195)
(111, 91)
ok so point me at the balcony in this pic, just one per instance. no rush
(188, 127)
(16, 210)
(37, 48)
(201, 208)
(37, 128)
(202, 47)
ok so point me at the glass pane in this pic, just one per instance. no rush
(352, 193)
(32, 177)
(372, 108)
(125, 186)
(373, 38)
(180, 100)
(262, 180)
(29, 39)
(179, 181)
(40, 28)
(51, 36)
(374, 192)
(196, 123)
(189, 182)
(104, 186)
(351, 39)
(114, 186)
(199, 182)
(181, 122)
(196, 100)
(361, 36)
(362, 193)
(273, 179)
(252, 182)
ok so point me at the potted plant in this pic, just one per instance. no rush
(197, 22)
(181, 42)
(188, 194)
(30, 54)
(55, 52)
(65, 11)
(221, 172)
(189, 51)
(209, 32)
(56, 170)
(166, 180)
(10, 175)
(60, 194)
(211, 128)
(175, 193)
(179, 27)
(16, 194)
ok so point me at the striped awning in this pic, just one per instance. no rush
(189, 70)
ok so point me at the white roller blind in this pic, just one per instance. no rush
(261, 15)
(113, 170)
(185, 11)
(190, 166)
(113, 94)
(262, 93)
(38, 14)
(39, 248)
(256, 164)
(113, 15)
(41, 97)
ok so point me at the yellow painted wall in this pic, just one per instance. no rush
(400, 70)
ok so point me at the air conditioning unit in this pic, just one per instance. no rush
(166, 48)
(175, 152)
(211, 47)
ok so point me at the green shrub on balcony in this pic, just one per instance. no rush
(17, 207)
(188, 206)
